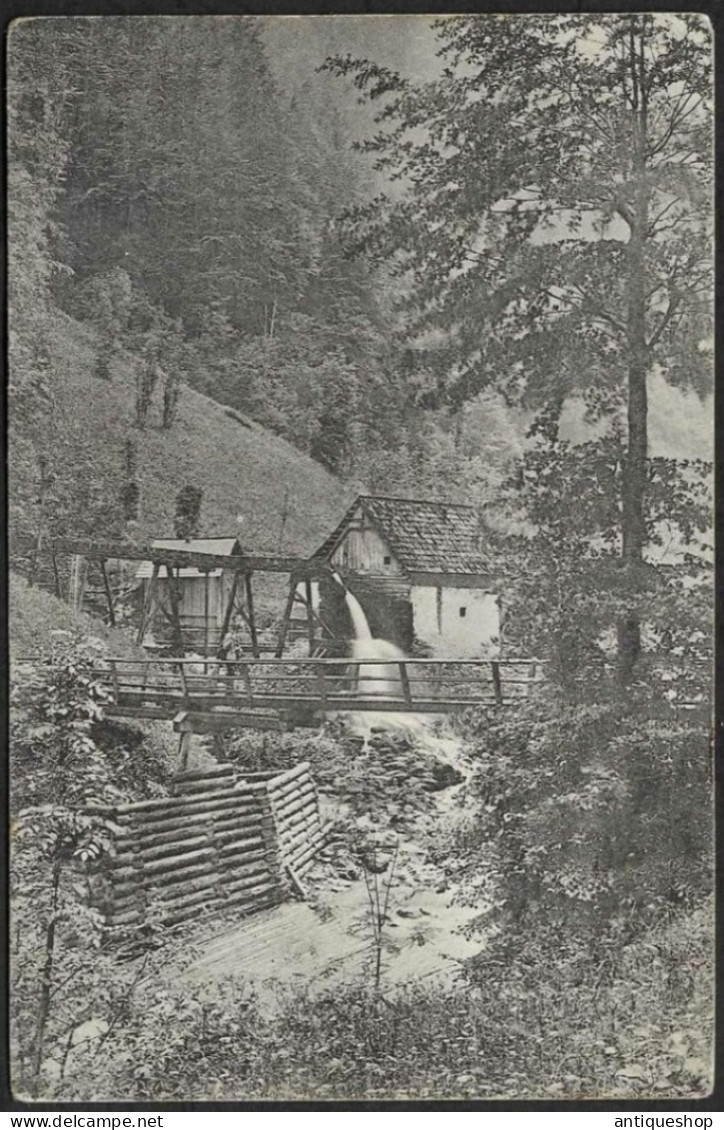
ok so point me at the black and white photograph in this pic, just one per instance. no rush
(361, 557)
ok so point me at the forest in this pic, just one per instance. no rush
(250, 277)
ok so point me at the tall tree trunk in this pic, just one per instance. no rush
(46, 982)
(633, 522)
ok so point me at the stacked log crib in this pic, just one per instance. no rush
(222, 839)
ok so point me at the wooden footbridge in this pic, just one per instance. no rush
(212, 696)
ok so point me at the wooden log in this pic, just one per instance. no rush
(191, 808)
(179, 830)
(180, 874)
(227, 832)
(169, 896)
(260, 899)
(219, 721)
(302, 834)
(232, 873)
(291, 845)
(271, 837)
(291, 801)
(234, 847)
(246, 857)
(304, 820)
(162, 804)
(257, 775)
(183, 909)
(279, 795)
(296, 882)
(172, 862)
(144, 841)
(191, 788)
(294, 806)
(247, 884)
(130, 918)
(290, 774)
(175, 847)
(315, 842)
(210, 771)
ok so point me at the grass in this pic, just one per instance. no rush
(249, 476)
(35, 614)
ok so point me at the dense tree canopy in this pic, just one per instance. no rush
(555, 228)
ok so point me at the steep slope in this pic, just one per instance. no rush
(250, 478)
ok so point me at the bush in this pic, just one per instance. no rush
(598, 819)
(642, 1027)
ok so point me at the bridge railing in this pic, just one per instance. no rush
(328, 684)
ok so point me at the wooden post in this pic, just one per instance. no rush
(321, 683)
(109, 594)
(287, 615)
(206, 617)
(173, 595)
(184, 683)
(184, 748)
(270, 836)
(114, 672)
(229, 610)
(148, 604)
(252, 617)
(310, 613)
(56, 574)
(495, 668)
(247, 681)
(404, 679)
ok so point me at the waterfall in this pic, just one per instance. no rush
(374, 678)
(384, 679)
(359, 620)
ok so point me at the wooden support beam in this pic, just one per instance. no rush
(148, 604)
(179, 558)
(310, 614)
(229, 609)
(56, 574)
(184, 748)
(206, 613)
(497, 687)
(404, 679)
(252, 617)
(174, 598)
(220, 722)
(109, 594)
(286, 618)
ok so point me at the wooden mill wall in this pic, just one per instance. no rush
(222, 839)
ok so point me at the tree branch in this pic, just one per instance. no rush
(666, 319)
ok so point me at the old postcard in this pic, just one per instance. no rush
(361, 591)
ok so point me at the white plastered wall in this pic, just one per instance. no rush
(438, 622)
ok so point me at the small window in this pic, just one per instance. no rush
(463, 610)
(387, 560)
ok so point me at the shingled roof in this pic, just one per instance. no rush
(221, 546)
(425, 537)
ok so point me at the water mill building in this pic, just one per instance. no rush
(417, 569)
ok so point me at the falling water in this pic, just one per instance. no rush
(384, 679)
(374, 678)
(359, 620)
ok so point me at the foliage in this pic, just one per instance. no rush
(633, 1030)
(64, 759)
(554, 232)
(557, 518)
(188, 512)
(597, 818)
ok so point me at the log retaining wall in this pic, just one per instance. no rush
(222, 838)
